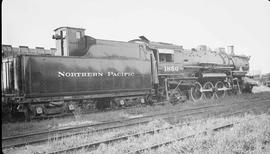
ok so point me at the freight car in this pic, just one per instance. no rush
(87, 73)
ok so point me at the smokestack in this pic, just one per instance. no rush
(202, 47)
(230, 49)
(221, 49)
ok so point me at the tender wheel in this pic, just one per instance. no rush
(220, 91)
(208, 90)
(149, 99)
(196, 93)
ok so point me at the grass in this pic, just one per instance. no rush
(250, 136)
(77, 140)
(247, 137)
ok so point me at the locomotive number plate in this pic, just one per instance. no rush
(171, 68)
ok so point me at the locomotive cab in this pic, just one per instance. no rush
(69, 40)
(166, 55)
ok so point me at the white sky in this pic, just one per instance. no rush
(242, 23)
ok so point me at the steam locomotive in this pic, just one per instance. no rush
(87, 73)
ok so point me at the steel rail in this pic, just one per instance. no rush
(121, 122)
(97, 143)
(89, 112)
(91, 125)
(40, 140)
(82, 126)
(152, 131)
(217, 128)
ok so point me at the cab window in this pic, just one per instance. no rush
(78, 35)
(164, 57)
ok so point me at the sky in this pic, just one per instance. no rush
(215, 23)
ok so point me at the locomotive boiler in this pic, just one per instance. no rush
(87, 73)
(197, 73)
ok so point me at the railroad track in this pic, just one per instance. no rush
(90, 112)
(83, 113)
(41, 137)
(94, 145)
(215, 129)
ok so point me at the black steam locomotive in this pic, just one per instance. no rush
(88, 73)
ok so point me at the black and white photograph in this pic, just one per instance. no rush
(135, 76)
